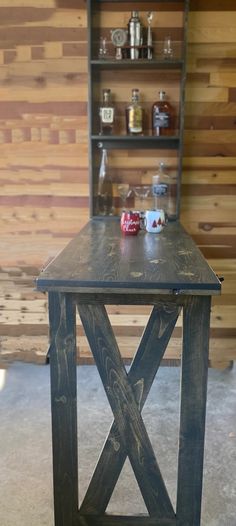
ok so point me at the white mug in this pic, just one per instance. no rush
(155, 221)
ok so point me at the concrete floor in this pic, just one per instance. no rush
(25, 443)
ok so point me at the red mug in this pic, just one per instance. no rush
(130, 223)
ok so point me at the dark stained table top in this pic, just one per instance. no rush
(102, 259)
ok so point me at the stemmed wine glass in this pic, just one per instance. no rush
(124, 192)
(142, 192)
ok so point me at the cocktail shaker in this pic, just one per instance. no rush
(135, 34)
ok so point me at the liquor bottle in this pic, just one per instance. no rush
(134, 115)
(106, 114)
(161, 189)
(162, 116)
(135, 34)
(105, 194)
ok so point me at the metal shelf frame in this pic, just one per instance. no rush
(95, 68)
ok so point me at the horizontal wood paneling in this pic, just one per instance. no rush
(44, 157)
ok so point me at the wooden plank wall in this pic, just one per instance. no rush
(44, 164)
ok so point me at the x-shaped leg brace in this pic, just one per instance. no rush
(127, 393)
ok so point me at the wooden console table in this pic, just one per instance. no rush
(100, 266)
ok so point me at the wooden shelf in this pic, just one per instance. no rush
(142, 1)
(132, 141)
(124, 74)
(137, 64)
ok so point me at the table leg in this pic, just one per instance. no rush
(64, 404)
(196, 322)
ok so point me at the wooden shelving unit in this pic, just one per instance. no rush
(151, 76)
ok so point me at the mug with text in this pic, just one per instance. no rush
(130, 223)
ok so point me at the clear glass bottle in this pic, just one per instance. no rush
(162, 116)
(134, 115)
(105, 191)
(106, 113)
(161, 189)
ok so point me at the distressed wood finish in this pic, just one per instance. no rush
(101, 258)
(193, 409)
(63, 407)
(110, 520)
(141, 375)
(73, 279)
(121, 396)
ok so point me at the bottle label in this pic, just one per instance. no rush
(135, 120)
(107, 115)
(159, 189)
(161, 120)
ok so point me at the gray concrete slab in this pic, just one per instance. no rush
(25, 443)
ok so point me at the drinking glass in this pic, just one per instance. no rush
(167, 48)
(103, 51)
(142, 192)
(124, 192)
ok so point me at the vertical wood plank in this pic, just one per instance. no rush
(196, 322)
(63, 404)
